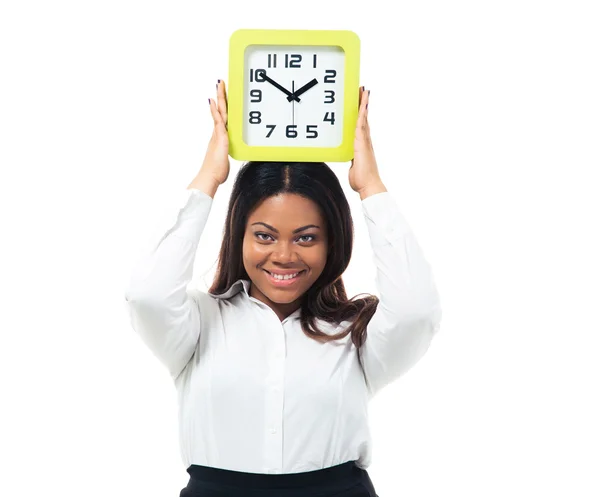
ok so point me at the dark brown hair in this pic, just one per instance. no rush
(326, 299)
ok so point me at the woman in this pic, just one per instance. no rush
(274, 366)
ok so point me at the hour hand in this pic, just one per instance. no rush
(303, 89)
(290, 95)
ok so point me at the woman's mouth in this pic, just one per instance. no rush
(283, 281)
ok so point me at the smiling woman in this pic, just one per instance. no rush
(277, 236)
(265, 335)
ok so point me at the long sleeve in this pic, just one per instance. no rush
(409, 311)
(161, 311)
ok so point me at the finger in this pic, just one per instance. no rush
(366, 111)
(222, 100)
(362, 111)
(214, 112)
(367, 128)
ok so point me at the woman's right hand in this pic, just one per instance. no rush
(216, 160)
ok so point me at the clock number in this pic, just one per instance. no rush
(272, 127)
(330, 75)
(311, 133)
(255, 117)
(290, 131)
(257, 75)
(295, 62)
(260, 75)
(273, 60)
(329, 94)
(256, 94)
(314, 60)
(329, 119)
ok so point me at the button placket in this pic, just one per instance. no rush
(274, 405)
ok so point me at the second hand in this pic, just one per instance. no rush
(293, 103)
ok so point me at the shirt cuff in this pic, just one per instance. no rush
(183, 213)
(193, 196)
(385, 222)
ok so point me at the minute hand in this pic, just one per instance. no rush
(303, 89)
(291, 96)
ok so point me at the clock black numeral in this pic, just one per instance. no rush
(314, 60)
(272, 127)
(311, 133)
(255, 117)
(293, 60)
(330, 75)
(257, 75)
(329, 119)
(256, 94)
(290, 131)
(329, 94)
(272, 60)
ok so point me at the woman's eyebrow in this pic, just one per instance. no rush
(295, 231)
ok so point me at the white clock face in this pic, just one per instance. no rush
(293, 96)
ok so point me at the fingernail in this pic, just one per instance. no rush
(218, 80)
(367, 106)
(209, 101)
(362, 88)
(369, 92)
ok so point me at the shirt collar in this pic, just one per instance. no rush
(234, 289)
(244, 285)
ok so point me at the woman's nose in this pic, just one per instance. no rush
(283, 252)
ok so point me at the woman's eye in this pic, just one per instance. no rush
(303, 238)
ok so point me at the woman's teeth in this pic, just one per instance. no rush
(286, 277)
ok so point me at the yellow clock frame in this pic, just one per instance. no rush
(347, 40)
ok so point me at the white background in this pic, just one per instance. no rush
(485, 121)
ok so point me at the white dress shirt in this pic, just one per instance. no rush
(255, 394)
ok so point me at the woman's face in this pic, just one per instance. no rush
(285, 234)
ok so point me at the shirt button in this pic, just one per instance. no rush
(273, 430)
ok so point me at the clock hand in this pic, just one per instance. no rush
(303, 89)
(291, 96)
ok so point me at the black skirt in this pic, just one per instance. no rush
(344, 480)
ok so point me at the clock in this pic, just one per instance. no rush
(293, 95)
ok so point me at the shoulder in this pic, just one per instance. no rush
(207, 304)
(334, 328)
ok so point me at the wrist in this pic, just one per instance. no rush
(206, 183)
(372, 189)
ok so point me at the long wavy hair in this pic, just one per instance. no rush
(326, 299)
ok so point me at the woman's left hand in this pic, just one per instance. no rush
(364, 175)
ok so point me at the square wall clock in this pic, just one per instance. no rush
(293, 95)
